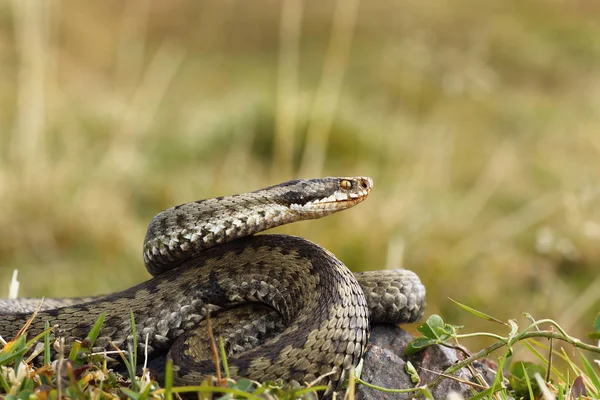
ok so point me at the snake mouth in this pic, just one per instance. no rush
(350, 192)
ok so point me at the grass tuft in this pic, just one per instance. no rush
(84, 375)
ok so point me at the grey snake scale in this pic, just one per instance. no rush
(287, 308)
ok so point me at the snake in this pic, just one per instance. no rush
(286, 307)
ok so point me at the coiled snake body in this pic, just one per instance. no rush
(287, 308)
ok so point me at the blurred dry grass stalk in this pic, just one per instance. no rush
(480, 125)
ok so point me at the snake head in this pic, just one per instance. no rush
(323, 196)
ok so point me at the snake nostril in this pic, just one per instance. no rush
(364, 184)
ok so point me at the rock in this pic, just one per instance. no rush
(433, 361)
(385, 362)
(383, 368)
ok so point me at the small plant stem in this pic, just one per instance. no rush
(480, 334)
(386, 390)
(551, 322)
(224, 358)
(213, 347)
(525, 335)
(550, 353)
(169, 380)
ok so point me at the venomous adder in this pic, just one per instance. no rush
(287, 308)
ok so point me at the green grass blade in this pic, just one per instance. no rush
(386, 390)
(528, 382)
(74, 383)
(126, 362)
(95, 331)
(477, 313)
(224, 358)
(542, 358)
(303, 391)
(130, 393)
(20, 348)
(36, 338)
(4, 384)
(498, 378)
(560, 395)
(426, 393)
(169, 380)
(134, 334)
(215, 389)
(13, 350)
(132, 368)
(47, 343)
(486, 394)
(75, 348)
(591, 373)
(145, 394)
(133, 354)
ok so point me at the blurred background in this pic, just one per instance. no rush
(478, 121)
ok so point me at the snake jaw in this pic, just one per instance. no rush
(349, 192)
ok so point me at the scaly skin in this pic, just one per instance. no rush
(205, 258)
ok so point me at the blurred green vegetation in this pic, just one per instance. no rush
(479, 122)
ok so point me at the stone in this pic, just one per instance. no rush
(385, 365)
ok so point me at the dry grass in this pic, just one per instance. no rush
(478, 123)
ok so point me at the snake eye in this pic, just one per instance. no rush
(346, 184)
